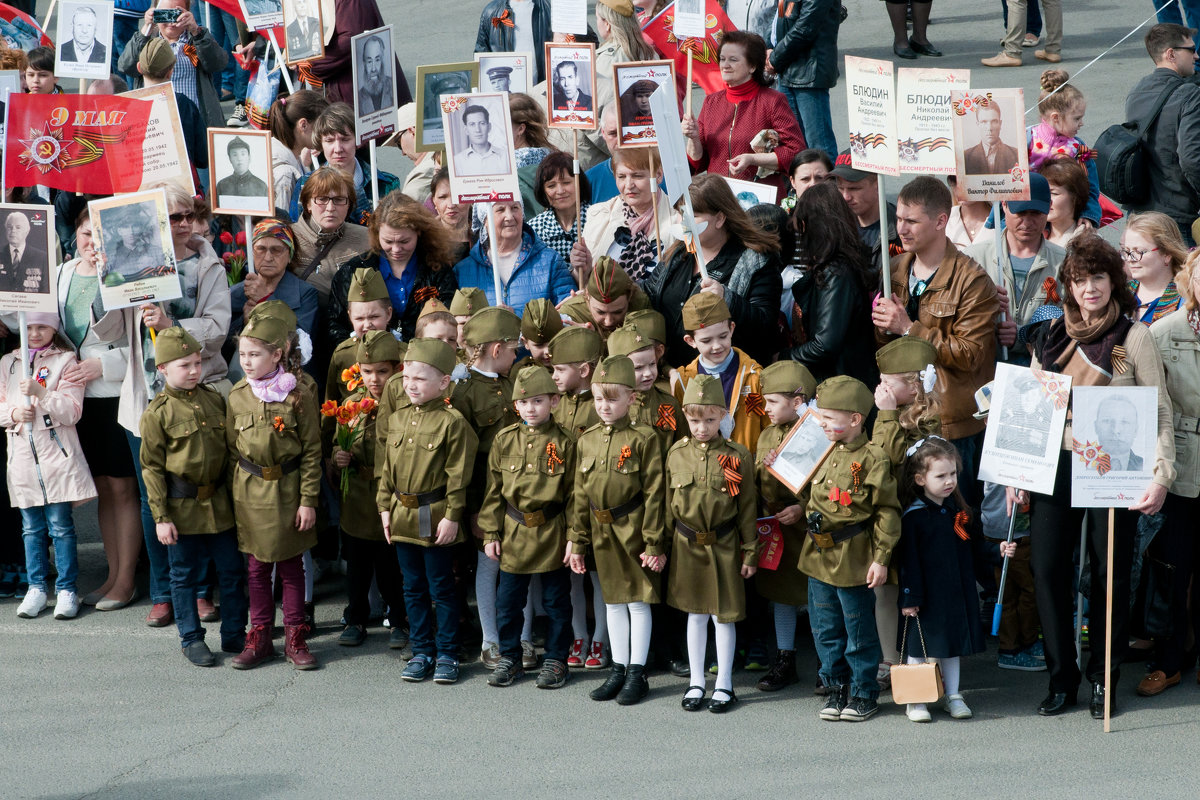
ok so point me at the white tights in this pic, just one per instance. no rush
(487, 577)
(579, 608)
(697, 641)
(951, 671)
(629, 626)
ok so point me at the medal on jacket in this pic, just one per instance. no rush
(841, 497)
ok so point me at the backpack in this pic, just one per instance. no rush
(1122, 156)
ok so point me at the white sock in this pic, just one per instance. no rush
(639, 633)
(487, 574)
(697, 643)
(951, 672)
(618, 624)
(600, 635)
(309, 572)
(785, 626)
(578, 607)
(726, 640)
(527, 627)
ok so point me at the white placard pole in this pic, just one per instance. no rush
(885, 260)
(374, 179)
(248, 225)
(281, 64)
(25, 372)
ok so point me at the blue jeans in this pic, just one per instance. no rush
(1033, 17)
(510, 612)
(41, 526)
(429, 578)
(1173, 14)
(123, 30)
(811, 107)
(843, 625)
(189, 558)
(224, 33)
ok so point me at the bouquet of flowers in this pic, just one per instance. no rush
(235, 260)
(351, 418)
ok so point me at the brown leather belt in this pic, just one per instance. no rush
(271, 473)
(179, 488)
(705, 538)
(607, 516)
(826, 541)
(422, 499)
(534, 519)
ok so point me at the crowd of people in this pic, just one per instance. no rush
(578, 422)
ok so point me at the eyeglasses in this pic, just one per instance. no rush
(187, 216)
(1131, 255)
(337, 202)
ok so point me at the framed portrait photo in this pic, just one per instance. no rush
(239, 162)
(801, 452)
(261, 14)
(571, 95)
(433, 81)
(374, 73)
(505, 72)
(635, 81)
(304, 36)
(1023, 440)
(85, 39)
(26, 273)
(479, 147)
(132, 233)
(749, 193)
(1114, 433)
(991, 159)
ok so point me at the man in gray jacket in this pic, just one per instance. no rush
(1174, 141)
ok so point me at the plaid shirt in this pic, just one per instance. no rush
(546, 226)
(184, 76)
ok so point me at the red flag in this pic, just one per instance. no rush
(78, 143)
(705, 70)
(20, 30)
(235, 8)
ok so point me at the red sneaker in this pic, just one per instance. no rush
(575, 657)
(596, 658)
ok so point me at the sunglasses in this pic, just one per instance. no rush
(187, 216)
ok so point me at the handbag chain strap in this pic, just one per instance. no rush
(904, 639)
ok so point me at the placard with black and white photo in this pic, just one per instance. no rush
(85, 35)
(479, 143)
(261, 14)
(505, 72)
(1025, 420)
(26, 283)
(572, 92)
(635, 82)
(433, 81)
(801, 452)
(1114, 431)
(132, 233)
(990, 155)
(240, 166)
(303, 36)
(374, 85)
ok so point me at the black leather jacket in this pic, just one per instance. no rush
(806, 54)
(499, 38)
(837, 336)
(441, 283)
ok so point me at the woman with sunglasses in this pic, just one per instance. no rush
(1153, 252)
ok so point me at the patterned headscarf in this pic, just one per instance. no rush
(274, 229)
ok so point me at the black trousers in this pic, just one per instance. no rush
(1054, 530)
(1175, 545)
(366, 559)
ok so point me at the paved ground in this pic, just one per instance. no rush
(103, 707)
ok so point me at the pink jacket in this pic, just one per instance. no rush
(57, 473)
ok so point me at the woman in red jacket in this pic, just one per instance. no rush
(719, 141)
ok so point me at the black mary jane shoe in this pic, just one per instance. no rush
(904, 52)
(1056, 703)
(926, 49)
(693, 703)
(721, 706)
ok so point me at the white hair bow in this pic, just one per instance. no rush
(928, 377)
(918, 444)
(305, 344)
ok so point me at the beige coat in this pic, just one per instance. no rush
(603, 219)
(353, 242)
(1180, 351)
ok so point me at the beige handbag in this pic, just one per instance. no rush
(916, 683)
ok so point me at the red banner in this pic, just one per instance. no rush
(77, 143)
(234, 8)
(705, 70)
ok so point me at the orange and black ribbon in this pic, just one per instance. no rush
(189, 50)
(552, 457)
(732, 466)
(666, 417)
(424, 293)
(856, 476)
(755, 404)
(1051, 288)
(277, 424)
(626, 452)
(306, 74)
(504, 19)
(960, 525)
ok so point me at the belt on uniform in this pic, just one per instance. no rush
(608, 516)
(1186, 424)
(705, 538)
(421, 499)
(534, 519)
(826, 541)
(271, 473)
(178, 488)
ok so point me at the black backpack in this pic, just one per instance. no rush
(1122, 156)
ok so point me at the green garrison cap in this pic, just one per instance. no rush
(367, 285)
(608, 281)
(540, 322)
(467, 302)
(649, 322)
(269, 329)
(575, 344)
(844, 393)
(615, 369)
(432, 306)
(377, 346)
(532, 381)
(787, 377)
(627, 339)
(277, 309)
(492, 324)
(702, 310)
(172, 344)
(704, 390)
(906, 354)
(433, 352)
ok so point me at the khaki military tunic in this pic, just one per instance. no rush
(872, 501)
(272, 435)
(360, 517)
(606, 479)
(895, 440)
(576, 412)
(786, 583)
(428, 447)
(183, 435)
(391, 401)
(529, 467)
(659, 410)
(706, 578)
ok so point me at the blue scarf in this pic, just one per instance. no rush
(400, 288)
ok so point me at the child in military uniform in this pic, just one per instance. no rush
(787, 387)
(853, 525)
(711, 506)
(651, 406)
(617, 514)
(540, 322)
(425, 469)
(484, 399)
(436, 322)
(523, 518)
(366, 552)
(708, 328)
(652, 324)
(466, 302)
(369, 307)
(574, 353)
(273, 431)
(185, 462)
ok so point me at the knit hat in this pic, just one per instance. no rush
(617, 370)
(540, 322)
(608, 281)
(433, 352)
(787, 377)
(574, 345)
(627, 339)
(844, 393)
(377, 346)
(467, 301)
(649, 322)
(532, 381)
(704, 309)
(704, 390)
(366, 285)
(170, 345)
(156, 57)
(269, 329)
(492, 324)
(47, 318)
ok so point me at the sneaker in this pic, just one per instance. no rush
(553, 675)
(1037, 650)
(956, 707)
(529, 656)
(67, 605)
(418, 669)
(757, 658)
(917, 712)
(575, 657)
(446, 670)
(352, 636)
(859, 709)
(239, 118)
(597, 658)
(490, 656)
(1021, 661)
(506, 673)
(398, 638)
(835, 703)
(33, 604)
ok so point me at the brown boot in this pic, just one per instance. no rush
(296, 649)
(258, 648)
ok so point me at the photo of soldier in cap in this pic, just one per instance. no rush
(132, 242)
(635, 83)
(504, 72)
(433, 81)
(1025, 418)
(238, 160)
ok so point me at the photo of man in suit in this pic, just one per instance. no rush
(481, 156)
(991, 156)
(303, 32)
(1116, 428)
(23, 262)
(82, 47)
(568, 96)
(374, 82)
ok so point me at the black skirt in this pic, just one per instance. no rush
(103, 439)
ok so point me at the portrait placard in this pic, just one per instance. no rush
(261, 14)
(85, 30)
(924, 129)
(26, 274)
(303, 35)
(164, 154)
(433, 81)
(991, 159)
(689, 19)
(571, 69)
(239, 164)
(569, 16)
(635, 81)
(871, 109)
(1023, 440)
(374, 85)
(136, 257)
(1114, 431)
(479, 143)
(505, 72)
(749, 193)
(801, 452)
